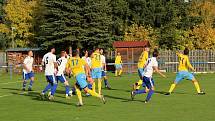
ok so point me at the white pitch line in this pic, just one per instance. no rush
(5, 95)
(10, 82)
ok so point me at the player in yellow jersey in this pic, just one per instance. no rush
(141, 63)
(96, 66)
(75, 65)
(183, 73)
(118, 65)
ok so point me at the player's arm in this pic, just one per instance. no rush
(158, 71)
(189, 65)
(87, 70)
(68, 69)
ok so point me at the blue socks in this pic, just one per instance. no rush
(53, 89)
(31, 84)
(47, 88)
(89, 86)
(140, 91)
(67, 89)
(151, 92)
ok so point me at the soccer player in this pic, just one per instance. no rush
(62, 61)
(104, 69)
(75, 65)
(118, 65)
(50, 63)
(150, 66)
(141, 62)
(183, 73)
(96, 66)
(28, 71)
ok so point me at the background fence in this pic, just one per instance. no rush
(202, 60)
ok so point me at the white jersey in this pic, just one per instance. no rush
(28, 61)
(61, 65)
(103, 61)
(151, 62)
(87, 60)
(49, 59)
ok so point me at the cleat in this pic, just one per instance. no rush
(79, 104)
(42, 96)
(146, 101)
(167, 93)
(103, 99)
(201, 93)
(132, 95)
(87, 94)
(29, 89)
(108, 87)
(51, 98)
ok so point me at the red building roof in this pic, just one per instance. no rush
(130, 44)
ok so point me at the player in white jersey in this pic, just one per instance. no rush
(62, 61)
(104, 69)
(150, 66)
(28, 71)
(50, 63)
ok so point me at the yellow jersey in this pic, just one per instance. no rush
(96, 60)
(76, 65)
(142, 59)
(118, 59)
(184, 62)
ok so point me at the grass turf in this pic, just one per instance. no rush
(183, 105)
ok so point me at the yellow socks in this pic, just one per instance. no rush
(140, 82)
(116, 73)
(93, 93)
(120, 72)
(100, 86)
(172, 88)
(79, 96)
(94, 87)
(197, 86)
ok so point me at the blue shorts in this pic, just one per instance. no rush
(61, 78)
(183, 75)
(118, 66)
(96, 73)
(27, 76)
(140, 73)
(81, 81)
(51, 79)
(149, 82)
(103, 73)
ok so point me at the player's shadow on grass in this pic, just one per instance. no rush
(163, 92)
(14, 89)
(122, 99)
(123, 90)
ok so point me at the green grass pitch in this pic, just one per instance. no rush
(183, 105)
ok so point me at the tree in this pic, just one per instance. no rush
(142, 33)
(61, 23)
(18, 14)
(120, 17)
(97, 23)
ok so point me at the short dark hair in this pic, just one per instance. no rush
(90, 52)
(51, 47)
(74, 53)
(186, 51)
(155, 53)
